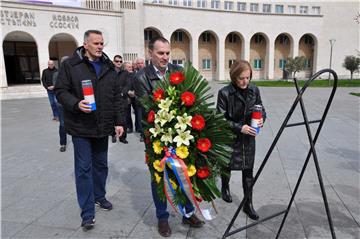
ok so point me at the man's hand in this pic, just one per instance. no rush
(261, 123)
(84, 106)
(119, 130)
(246, 129)
(50, 87)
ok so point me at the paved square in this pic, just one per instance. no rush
(38, 197)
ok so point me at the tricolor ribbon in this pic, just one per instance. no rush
(179, 169)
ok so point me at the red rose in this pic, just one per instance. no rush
(203, 144)
(158, 95)
(151, 116)
(203, 172)
(188, 98)
(198, 122)
(176, 78)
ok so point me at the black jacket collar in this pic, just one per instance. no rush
(79, 56)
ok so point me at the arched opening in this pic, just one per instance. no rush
(60, 45)
(233, 50)
(21, 59)
(208, 55)
(258, 46)
(149, 33)
(283, 44)
(180, 47)
(306, 48)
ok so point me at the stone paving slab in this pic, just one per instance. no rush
(38, 197)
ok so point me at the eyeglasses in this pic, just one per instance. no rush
(118, 61)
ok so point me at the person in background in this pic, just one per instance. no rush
(90, 128)
(236, 101)
(118, 61)
(47, 81)
(62, 132)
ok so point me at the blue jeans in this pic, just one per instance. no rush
(62, 132)
(91, 170)
(161, 212)
(54, 108)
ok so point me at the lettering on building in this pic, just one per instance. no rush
(64, 21)
(17, 18)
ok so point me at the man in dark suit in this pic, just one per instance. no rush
(146, 80)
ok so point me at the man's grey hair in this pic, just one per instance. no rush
(88, 32)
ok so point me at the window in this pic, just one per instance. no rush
(308, 40)
(282, 63)
(258, 38)
(178, 62)
(267, 8)
(157, 1)
(215, 4)
(231, 62)
(228, 5)
(292, 9)
(254, 7)
(205, 37)
(201, 3)
(316, 10)
(303, 9)
(178, 36)
(307, 63)
(284, 40)
(187, 3)
(279, 8)
(206, 64)
(241, 6)
(257, 64)
(148, 35)
(232, 38)
(173, 2)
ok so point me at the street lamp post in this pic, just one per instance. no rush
(332, 42)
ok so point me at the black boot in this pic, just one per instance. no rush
(225, 190)
(248, 206)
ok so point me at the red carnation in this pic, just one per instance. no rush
(158, 95)
(203, 144)
(203, 172)
(176, 78)
(198, 122)
(188, 98)
(151, 116)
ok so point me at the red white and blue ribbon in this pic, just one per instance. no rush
(179, 168)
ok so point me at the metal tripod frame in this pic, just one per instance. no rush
(312, 152)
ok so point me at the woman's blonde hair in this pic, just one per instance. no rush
(238, 67)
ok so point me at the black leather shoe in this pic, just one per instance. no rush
(129, 131)
(62, 148)
(193, 221)
(113, 139)
(88, 224)
(141, 138)
(164, 228)
(225, 189)
(124, 141)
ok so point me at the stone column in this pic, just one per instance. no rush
(220, 59)
(270, 59)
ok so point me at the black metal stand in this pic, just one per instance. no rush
(312, 152)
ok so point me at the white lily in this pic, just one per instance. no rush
(183, 137)
(167, 136)
(165, 104)
(155, 131)
(163, 117)
(183, 121)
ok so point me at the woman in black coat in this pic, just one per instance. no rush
(236, 101)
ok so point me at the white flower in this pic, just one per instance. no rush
(165, 104)
(155, 131)
(163, 117)
(183, 137)
(167, 136)
(183, 121)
